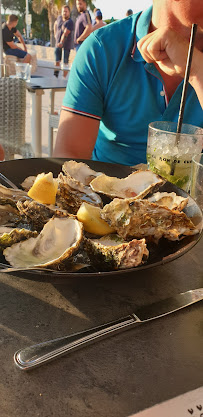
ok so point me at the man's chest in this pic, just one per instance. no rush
(136, 97)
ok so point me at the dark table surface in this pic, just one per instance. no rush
(118, 376)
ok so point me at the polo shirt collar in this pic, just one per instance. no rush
(141, 29)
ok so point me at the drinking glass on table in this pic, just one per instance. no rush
(170, 154)
(23, 70)
(196, 187)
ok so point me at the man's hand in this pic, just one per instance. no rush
(167, 48)
(60, 45)
(25, 48)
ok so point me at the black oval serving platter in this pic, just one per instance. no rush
(165, 251)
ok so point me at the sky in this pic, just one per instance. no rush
(117, 9)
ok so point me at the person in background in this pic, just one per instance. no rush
(99, 22)
(129, 12)
(94, 11)
(83, 24)
(129, 74)
(9, 30)
(62, 33)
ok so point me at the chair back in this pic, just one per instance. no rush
(12, 118)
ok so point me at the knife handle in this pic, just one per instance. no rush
(37, 355)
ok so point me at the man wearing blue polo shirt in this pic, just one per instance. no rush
(9, 30)
(127, 75)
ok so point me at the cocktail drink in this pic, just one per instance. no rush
(170, 154)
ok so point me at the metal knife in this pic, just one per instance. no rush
(36, 355)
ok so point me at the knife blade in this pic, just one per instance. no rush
(36, 355)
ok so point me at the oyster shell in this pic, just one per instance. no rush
(112, 252)
(57, 242)
(9, 214)
(11, 193)
(79, 171)
(138, 184)
(170, 200)
(28, 182)
(8, 238)
(37, 214)
(72, 193)
(140, 218)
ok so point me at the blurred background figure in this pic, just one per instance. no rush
(83, 24)
(129, 12)
(94, 20)
(9, 30)
(98, 20)
(62, 33)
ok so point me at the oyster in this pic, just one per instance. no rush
(140, 218)
(11, 193)
(72, 193)
(112, 252)
(9, 214)
(28, 182)
(57, 242)
(170, 200)
(79, 171)
(138, 184)
(8, 238)
(37, 214)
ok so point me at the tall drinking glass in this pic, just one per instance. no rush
(170, 154)
(196, 187)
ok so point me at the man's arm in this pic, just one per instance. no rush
(88, 29)
(169, 50)
(76, 136)
(19, 36)
(13, 45)
(65, 34)
(55, 28)
(86, 32)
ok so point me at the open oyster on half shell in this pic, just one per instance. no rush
(138, 184)
(112, 252)
(134, 218)
(170, 200)
(59, 240)
(80, 171)
(72, 193)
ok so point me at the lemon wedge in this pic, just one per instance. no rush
(90, 217)
(44, 189)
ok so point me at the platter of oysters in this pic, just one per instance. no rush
(85, 217)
